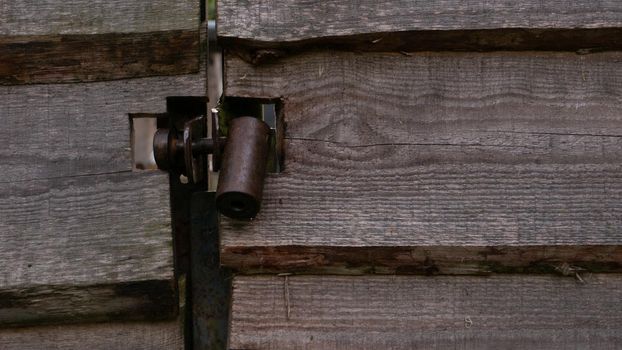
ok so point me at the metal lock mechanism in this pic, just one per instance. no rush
(241, 157)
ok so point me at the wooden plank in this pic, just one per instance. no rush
(410, 312)
(45, 17)
(80, 58)
(262, 31)
(86, 247)
(100, 336)
(297, 20)
(437, 163)
(54, 41)
(61, 130)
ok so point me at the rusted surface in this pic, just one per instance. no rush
(179, 144)
(211, 284)
(240, 185)
(161, 151)
(186, 151)
(194, 165)
(243, 163)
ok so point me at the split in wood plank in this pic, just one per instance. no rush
(411, 312)
(437, 163)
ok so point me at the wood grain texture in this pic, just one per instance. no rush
(100, 336)
(85, 238)
(45, 17)
(86, 247)
(481, 161)
(80, 58)
(53, 41)
(295, 20)
(60, 130)
(409, 312)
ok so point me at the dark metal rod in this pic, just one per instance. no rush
(205, 145)
(201, 146)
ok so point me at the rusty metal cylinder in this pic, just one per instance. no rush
(241, 179)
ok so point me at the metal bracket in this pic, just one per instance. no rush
(241, 158)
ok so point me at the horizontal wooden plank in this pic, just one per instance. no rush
(319, 312)
(410, 312)
(86, 247)
(100, 336)
(442, 219)
(437, 162)
(60, 130)
(45, 17)
(79, 58)
(298, 20)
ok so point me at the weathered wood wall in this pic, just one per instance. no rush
(405, 163)
(86, 238)
(78, 224)
(446, 137)
(422, 162)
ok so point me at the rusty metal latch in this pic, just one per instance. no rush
(240, 157)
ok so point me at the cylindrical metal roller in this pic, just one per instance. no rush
(240, 183)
